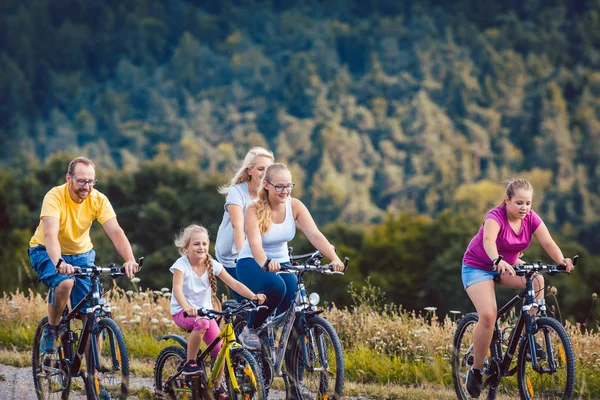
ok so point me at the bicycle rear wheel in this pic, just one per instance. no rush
(315, 361)
(462, 358)
(555, 376)
(110, 377)
(51, 373)
(248, 376)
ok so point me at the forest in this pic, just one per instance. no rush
(399, 120)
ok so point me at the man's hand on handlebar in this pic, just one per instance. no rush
(130, 268)
(337, 265)
(63, 268)
(274, 266)
(260, 298)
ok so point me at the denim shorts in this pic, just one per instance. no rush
(472, 275)
(43, 265)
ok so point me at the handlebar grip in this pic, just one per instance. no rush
(202, 312)
(575, 259)
(346, 259)
(265, 266)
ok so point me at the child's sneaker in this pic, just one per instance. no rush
(191, 368)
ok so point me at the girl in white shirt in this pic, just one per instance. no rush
(194, 287)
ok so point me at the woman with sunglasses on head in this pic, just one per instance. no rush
(270, 223)
(241, 192)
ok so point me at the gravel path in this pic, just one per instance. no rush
(16, 383)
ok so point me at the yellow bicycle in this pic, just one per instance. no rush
(242, 373)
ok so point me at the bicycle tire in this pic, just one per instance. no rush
(249, 380)
(532, 384)
(46, 382)
(111, 378)
(167, 363)
(317, 383)
(462, 359)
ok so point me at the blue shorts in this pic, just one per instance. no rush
(43, 265)
(472, 275)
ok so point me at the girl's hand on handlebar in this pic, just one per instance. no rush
(259, 298)
(504, 267)
(567, 262)
(274, 266)
(191, 312)
(338, 265)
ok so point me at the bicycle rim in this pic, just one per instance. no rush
(111, 376)
(317, 361)
(555, 376)
(51, 375)
(248, 376)
(168, 362)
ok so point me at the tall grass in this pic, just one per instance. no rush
(383, 343)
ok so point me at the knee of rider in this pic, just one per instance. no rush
(64, 287)
(538, 282)
(487, 318)
(200, 324)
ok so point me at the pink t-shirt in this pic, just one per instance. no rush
(509, 244)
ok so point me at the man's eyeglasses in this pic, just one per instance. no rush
(281, 188)
(83, 182)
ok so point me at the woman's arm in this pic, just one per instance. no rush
(240, 288)
(236, 215)
(549, 245)
(178, 293)
(306, 224)
(491, 228)
(253, 235)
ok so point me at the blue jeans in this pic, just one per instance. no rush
(43, 265)
(279, 289)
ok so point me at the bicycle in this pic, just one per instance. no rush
(100, 341)
(313, 355)
(548, 375)
(242, 373)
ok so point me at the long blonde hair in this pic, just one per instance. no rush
(182, 241)
(263, 207)
(242, 173)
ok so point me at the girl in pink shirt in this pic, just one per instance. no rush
(506, 231)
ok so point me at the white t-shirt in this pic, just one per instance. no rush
(196, 289)
(225, 250)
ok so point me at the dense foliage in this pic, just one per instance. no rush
(397, 118)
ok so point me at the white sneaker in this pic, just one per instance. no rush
(249, 338)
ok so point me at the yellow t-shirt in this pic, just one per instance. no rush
(75, 219)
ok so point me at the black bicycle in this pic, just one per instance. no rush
(299, 345)
(548, 375)
(100, 341)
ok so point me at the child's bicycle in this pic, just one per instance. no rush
(242, 373)
(100, 341)
(548, 375)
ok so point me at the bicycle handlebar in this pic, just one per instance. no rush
(311, 264)
(110, 269)
(523, 269)
(246, 305)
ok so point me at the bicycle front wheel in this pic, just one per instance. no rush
(51, 376)
(247, 375)
(315, 361)
(554, 377)
(167, 384)
(110, 372)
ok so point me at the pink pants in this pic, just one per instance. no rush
(200, 324)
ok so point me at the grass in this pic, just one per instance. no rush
(389, 352)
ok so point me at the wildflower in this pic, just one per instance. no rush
(121, 317)
(146, 305)
(164, 289)
(115, 308)
(135, 279)
(154, 321)
(159, 308)
(136, 307)
(594, 296)
(134, 321)
(552, 290)
(166, 294)
(431, 309)
(129, 292)
(455, 312)
(165, 320)
(143, 294)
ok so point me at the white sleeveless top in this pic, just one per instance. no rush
(275, 241)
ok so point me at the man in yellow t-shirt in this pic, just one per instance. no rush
(62, 240)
